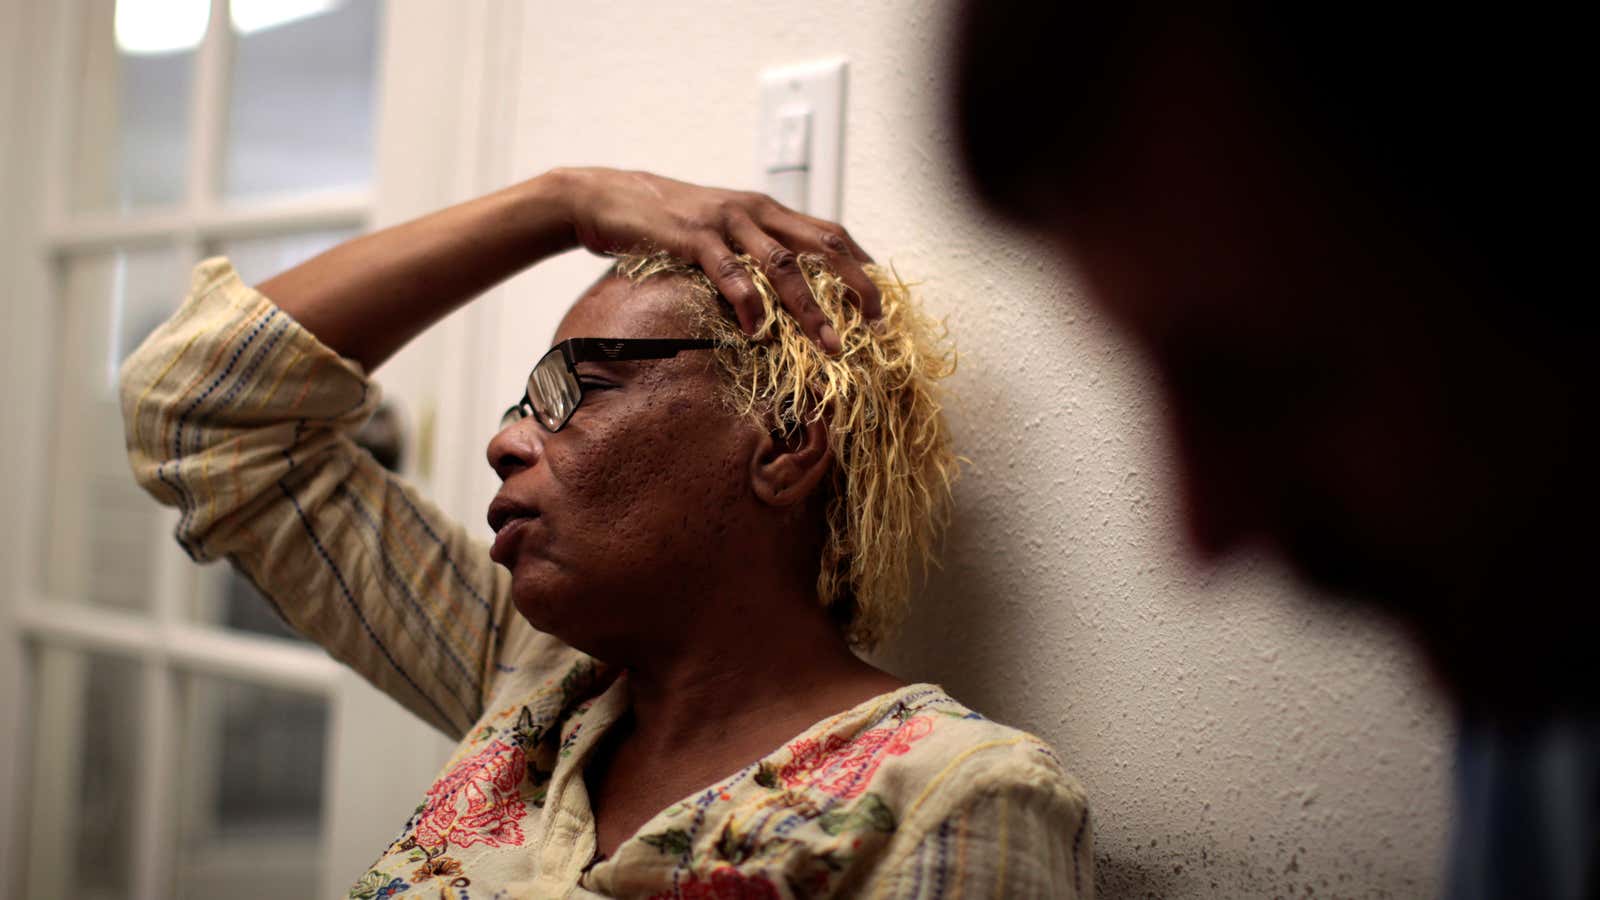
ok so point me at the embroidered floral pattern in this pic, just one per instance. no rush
(726, 883)
(822, 783)
(842, 768)
(868, 813)
(672, 842)
(377, 885)
(440, 867)
(477, 801)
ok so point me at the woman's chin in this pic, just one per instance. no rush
(551, 605)
(535, 601)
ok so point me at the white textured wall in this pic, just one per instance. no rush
(1236, 740)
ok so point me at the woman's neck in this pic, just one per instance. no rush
(702, 715)
(743, 672)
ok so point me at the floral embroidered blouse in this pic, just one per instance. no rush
(243, 420)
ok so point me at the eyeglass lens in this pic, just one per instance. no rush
(553, 390)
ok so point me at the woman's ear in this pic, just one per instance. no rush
(787, 467)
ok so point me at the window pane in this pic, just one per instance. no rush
(103, 534)
(86, 728)
(250, 800)
(301, 100)
(135, 77)
(258, 259)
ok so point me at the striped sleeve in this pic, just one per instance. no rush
(243, 420)
(1011, 832)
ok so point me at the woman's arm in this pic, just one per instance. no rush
(367, 297)
(244, 421)
(242, 417)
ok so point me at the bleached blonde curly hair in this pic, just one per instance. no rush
(893, 464)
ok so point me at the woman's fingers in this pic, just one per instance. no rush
(809, 234)
(782, 268)
(845, 238)
(845, 257)
(721, 264)
(617, 210)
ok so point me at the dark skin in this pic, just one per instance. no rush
(370, 295)
(679, 541)
(651, 471)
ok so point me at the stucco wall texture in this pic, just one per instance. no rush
(1237, 737)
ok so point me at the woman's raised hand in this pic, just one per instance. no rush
(614, 211)
(370, 295)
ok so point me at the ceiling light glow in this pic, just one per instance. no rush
(250, 16)
(153, 27)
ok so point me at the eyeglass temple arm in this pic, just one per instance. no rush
(608, 349)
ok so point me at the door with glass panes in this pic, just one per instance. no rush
(178, 739)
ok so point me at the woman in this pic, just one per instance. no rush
(653, 680)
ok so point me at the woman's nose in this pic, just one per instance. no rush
(515, 447)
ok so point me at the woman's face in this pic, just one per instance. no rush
(633, 502)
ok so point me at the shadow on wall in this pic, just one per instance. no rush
(1012, 625)
(1195, 866)
(969, 626)
(973, 632)
(984, 626)
(996, 623)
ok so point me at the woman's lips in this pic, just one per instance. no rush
(503, 509)
(507, 539)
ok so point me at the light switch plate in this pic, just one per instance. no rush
(800, 150)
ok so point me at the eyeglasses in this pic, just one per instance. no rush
(554, 392)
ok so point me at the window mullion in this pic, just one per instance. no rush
(208, 116)
(97, 232)
(155, 835)
(173, 593)
(188, 647)
(172, 582)
(58, 158)
(55, 729)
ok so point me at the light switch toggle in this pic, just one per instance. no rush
(799, 150)
(791, 144)
(791, 140)
(788, 162)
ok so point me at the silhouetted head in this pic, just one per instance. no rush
(1329, 233)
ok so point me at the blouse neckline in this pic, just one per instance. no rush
(569, 790)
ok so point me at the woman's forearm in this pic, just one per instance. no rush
(369, 296)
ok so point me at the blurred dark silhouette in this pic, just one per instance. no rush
(1333, 232)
